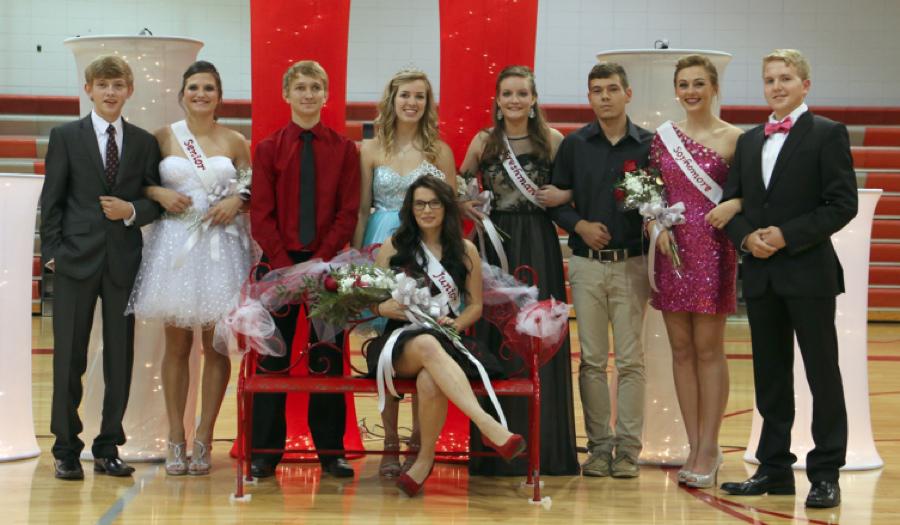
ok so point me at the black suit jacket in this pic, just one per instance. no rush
(74, 231)
(811, 195)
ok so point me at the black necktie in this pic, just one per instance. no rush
(307, 190)
(112, 156)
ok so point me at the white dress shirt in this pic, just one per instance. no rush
(774, 142)
(100, 127)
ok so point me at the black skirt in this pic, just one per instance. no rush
(487, 359)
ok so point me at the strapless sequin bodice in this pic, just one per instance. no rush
(389, 187)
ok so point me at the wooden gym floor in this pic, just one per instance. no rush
(299, 494)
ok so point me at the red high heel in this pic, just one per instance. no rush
(514, 446)
(409, 486)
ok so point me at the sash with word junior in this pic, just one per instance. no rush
(694, 173)
(191, 148)
(518, 176)
(442, 279)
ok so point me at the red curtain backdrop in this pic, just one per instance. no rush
(478, 39)
(285, 31)
(281, 33)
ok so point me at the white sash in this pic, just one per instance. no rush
(518, 176)
(694, 173)
(442, 279)
(191, 148)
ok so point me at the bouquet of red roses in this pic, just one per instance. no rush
(344, 292)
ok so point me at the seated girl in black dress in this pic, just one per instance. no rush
(429, 242)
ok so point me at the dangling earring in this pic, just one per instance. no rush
(499, 114)
(531, 113)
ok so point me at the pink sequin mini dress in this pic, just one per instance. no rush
(709, 261)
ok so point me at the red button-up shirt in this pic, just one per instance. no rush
(274, 205)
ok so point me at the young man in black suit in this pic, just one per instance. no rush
(795, 176)
(92, 210)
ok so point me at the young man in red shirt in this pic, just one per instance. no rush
(304, 206)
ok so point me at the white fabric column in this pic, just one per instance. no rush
(18, 209)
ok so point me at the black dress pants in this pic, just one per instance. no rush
(73, 317)
(327, 412)
(774, 320)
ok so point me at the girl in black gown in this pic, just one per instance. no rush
(532, 241)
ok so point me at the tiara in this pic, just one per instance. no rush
(410, 68)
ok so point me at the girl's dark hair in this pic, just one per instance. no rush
(538, 130)
(200, 66)
(407, 239)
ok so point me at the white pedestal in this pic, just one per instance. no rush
(18, 206)
(852, 246)
(157, 63)
(650, 75)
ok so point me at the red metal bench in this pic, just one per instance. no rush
(252, 382)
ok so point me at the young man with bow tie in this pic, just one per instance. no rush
(795, 176)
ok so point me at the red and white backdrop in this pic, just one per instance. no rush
(478, 39)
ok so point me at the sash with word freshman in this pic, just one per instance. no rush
(518, 176)
(199, 161)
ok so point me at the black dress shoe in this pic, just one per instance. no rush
(762, 484)
(112, 466)
(69, 468)
(338, 468)
(260, 468)
(824, 495)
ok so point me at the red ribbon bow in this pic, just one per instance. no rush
(779, 127)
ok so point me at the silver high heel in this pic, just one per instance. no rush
(684, 475)
(176, 459)
(200, 459)
(705, 481)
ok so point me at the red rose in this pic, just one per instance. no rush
(358, 282)
(619, 194)
(330, 284)
(629, 165)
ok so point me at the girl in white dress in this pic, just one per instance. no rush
(197, 255)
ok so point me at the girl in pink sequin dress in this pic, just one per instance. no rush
(696, 303)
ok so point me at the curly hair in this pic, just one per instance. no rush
(538, 130)
(407, 239)
(386, 121)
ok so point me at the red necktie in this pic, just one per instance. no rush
(112, 156)
(779, 127)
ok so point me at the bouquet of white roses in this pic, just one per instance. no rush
(643, 189)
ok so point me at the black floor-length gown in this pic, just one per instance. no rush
(532, 241)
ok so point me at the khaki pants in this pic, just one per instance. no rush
(614, 293)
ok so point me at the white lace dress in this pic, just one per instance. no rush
(191, 273)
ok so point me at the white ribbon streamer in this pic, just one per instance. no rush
(487, 229)
(665, 218)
